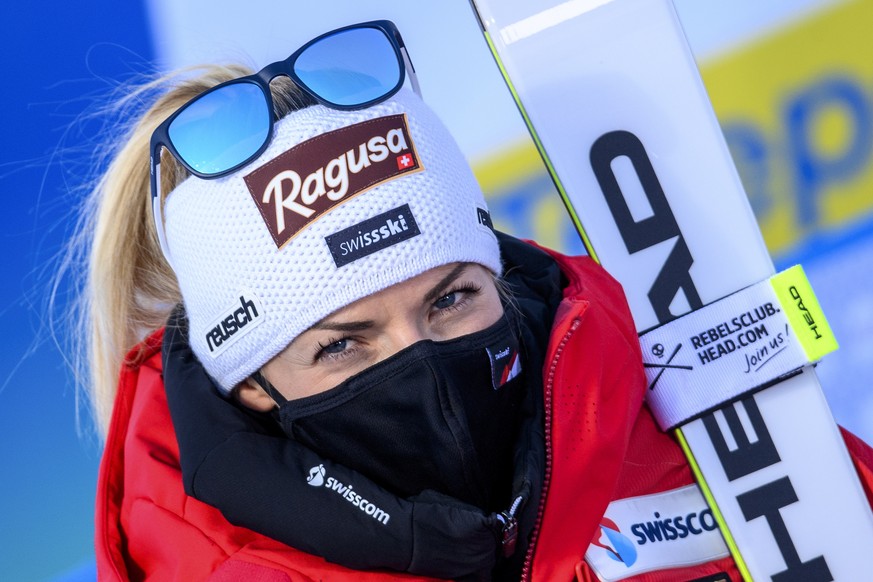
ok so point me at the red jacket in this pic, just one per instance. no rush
(147, 528)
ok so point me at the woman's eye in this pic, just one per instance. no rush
(456, 298)
(446, 300)
(334, 350)
(335, 347)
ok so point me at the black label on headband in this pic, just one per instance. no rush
(484, 218)
(371, 235)
(243, 316)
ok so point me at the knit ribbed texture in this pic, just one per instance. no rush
(222, 250)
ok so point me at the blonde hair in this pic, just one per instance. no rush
(129, 289)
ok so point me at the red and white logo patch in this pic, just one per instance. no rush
(505, 362)
(315, 176)
(405, 161)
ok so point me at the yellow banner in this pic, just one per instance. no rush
(797, 110)
(796, 107)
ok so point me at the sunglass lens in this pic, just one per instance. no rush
(352, 67)
(222, 129)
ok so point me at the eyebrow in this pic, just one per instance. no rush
(431, 296)
(344, 326)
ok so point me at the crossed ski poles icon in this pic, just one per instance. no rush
(658, 351)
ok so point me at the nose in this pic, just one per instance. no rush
(404, 333)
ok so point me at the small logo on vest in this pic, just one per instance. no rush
(316, 478)
(505, 361)
(237, 320)
(374, 234)
(314, 177)
(617, 545)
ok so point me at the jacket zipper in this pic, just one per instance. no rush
(509, 532)
(547, 405)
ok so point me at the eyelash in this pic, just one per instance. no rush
(322, 355)
(469, 290)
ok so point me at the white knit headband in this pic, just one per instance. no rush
(341, 205)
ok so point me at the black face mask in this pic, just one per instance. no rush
(436, 415)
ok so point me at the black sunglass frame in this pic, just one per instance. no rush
(262, 79)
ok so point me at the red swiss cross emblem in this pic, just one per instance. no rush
(404, 161)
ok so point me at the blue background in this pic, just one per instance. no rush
(59, 58)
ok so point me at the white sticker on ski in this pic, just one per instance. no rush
(730, 347)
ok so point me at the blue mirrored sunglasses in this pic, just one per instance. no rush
(228, 126)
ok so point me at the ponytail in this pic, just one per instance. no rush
(129, 289)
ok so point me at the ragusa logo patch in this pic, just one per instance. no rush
(315, 176)
(318, 478)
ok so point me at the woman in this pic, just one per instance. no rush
(360, 378)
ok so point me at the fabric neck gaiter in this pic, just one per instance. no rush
(437, 416)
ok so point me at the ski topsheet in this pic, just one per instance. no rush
(614, 102)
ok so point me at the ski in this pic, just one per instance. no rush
(613, 100)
